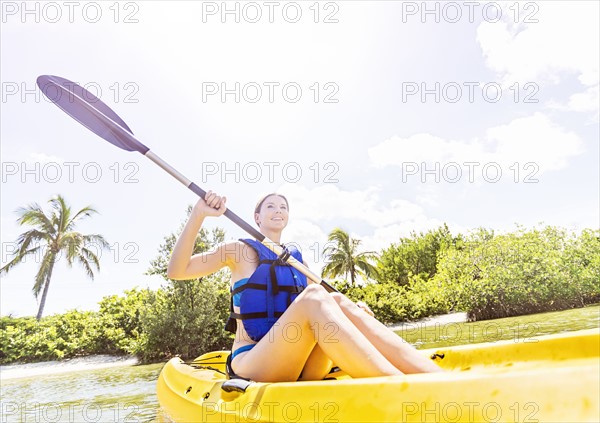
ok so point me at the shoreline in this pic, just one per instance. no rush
(441, 319)
(46, 368)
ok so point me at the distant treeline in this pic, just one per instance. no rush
(487, 275)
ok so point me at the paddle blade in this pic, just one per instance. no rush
(90, 111)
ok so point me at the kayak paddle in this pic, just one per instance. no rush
(92, 113)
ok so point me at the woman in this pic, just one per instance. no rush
(316, 330)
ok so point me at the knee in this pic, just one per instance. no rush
(338, 297)
(342, 300)
(315, 293)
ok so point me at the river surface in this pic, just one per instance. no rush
(106, 389)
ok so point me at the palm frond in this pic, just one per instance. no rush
(343, 258)
(19, 258)
(34, 215)
(71, 243)
(61, 212)
(90, 256)
(81, 214)
(81, 258)
(331, 270)
(96, 239)
(26, 238)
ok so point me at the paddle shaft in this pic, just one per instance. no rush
(95, 118)
(271, 245)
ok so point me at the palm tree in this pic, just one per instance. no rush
(343, 258)
(52, 235)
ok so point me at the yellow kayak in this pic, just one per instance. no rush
(552, 378)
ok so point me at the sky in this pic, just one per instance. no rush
(381, 118)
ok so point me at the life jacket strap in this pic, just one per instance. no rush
(258, 315)
(296, 289)
(231, 324)
(285, 255)
(281, 260)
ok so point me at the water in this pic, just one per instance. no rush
(65, 392)
(115, 394)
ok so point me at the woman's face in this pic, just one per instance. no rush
(273, 213)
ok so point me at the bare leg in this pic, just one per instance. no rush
(317, 366)
(395, 349)
(282, 353)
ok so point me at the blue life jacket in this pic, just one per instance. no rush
(267, 293)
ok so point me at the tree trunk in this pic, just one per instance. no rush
(44, 294)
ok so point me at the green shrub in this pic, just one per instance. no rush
(486, 275)
(122, 320)
(416, 255)
(186, 319)
(522, 272)
(67, 335)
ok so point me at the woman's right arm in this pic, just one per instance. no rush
(185, 266)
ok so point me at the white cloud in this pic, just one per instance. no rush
(422, 147)
(384, 236)
(45, 158)
(428, 199)
(27, 155)
(586, 101)
(533, 139)
(310, 207)
(310, 238)
(564, 40)
(329, 202)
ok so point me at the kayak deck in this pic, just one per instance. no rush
(552, 378)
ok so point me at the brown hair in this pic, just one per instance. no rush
(262, 200)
